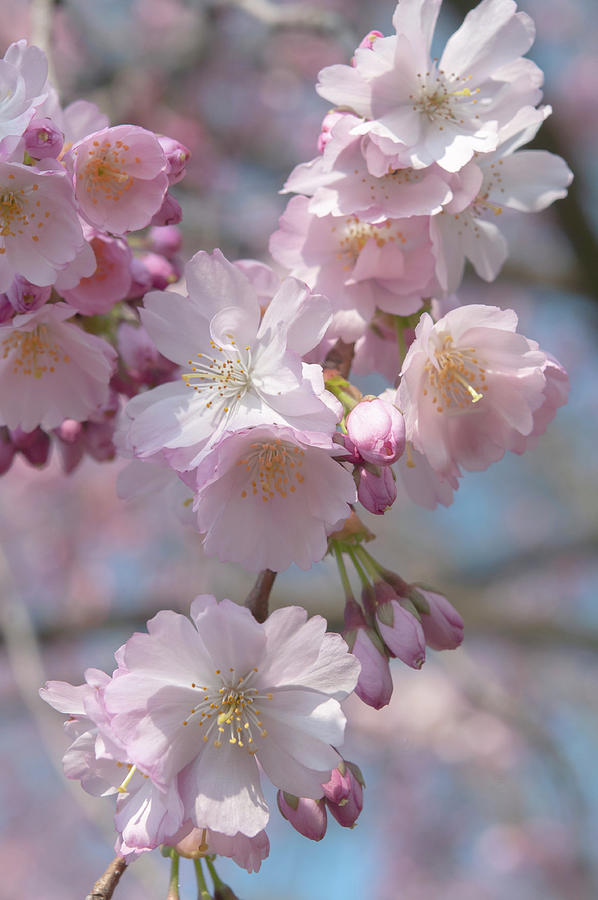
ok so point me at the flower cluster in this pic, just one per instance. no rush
(193, 714)
(416, 164)
(72, 190)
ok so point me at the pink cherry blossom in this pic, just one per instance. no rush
(508, 178)
(357, 265)
(376, 490)
(51, 369)
(111, 279)
(40, 232)
(439, 111)
(269, 496)
(442, 625)
(341, 181)
(247, 852)
(120, 177)
(239, 368)
(23, 73)
(470, 387)
(208, 699)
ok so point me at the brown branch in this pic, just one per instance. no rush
(291, 15)
(339, 360)
(258, 599)
(106, 884)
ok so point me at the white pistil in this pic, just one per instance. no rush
(223, 379)
(122, 788)
(231, 710)
(451, 377)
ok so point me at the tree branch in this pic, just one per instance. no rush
(258, 599)
(106, 884)
(339, 360)
(291, 15)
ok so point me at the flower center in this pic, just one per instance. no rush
(104, 170)
(435, 99)
(452, 376)
(274, 467)
(230, 712)
(223, 378)
(356, 234)
(34, 352)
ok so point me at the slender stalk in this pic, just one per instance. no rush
(368, 561)
(202, 888)
(173, 884)
(258, 598)
(362, 576)
(342, 571)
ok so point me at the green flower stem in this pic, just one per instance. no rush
(218, 883)
(202, 888)
(342, 571)
(362, 576)
(371, 566)
(173, 884)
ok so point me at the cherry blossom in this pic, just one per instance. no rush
(470, 387)
(50, 369)
(439, 112)
(23, 77)
(269, 496)
(120, 177)
(240, 369)
(206, 699)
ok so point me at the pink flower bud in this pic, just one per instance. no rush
(69, 431)
(338, 787)
(374, 685)
(7, 450)
(170, 213)
(161, 271)
(346, 811)
(24, 297)
(443, 626)
(377, 429)
(308, 817)
(34, 445)
(177, 156)
(328, 123)
(6, 309)
(377, 492)
(401, 632)
(165, 239)
(368, 41)
(43, 140)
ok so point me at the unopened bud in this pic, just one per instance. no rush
(377, 429)
(24, 297)
(177, 156)
(7, 450)
(170, 213)
(34, 445)
(443, 626)
(43, 140)
(401, 632)
(165, 239)
(307, 816)
(377, 492)
(374, 685)
(346, 811)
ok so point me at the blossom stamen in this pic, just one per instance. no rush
(451, 377)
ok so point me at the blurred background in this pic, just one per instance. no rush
(481, 776)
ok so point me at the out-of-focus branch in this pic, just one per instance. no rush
(289, 15)
(339, 360)
(106, 885)
(259, 597)
(40, 18)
